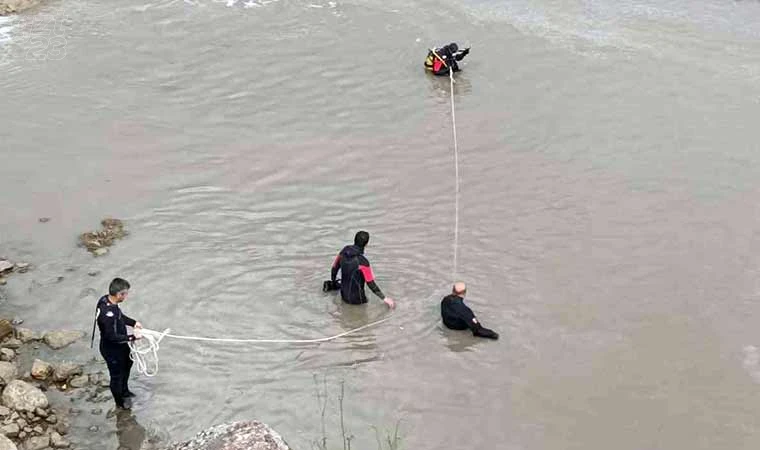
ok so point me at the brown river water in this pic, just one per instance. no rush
(609, 216)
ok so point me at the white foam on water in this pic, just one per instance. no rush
(751, 362)
(7, 25)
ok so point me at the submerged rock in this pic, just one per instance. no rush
(248, 435)
(96, 242)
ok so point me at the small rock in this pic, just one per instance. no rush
(64, 371)
(11, 430)
(5, 265)
(4, 412)
(37, 443)
(59, 278)
(62, 427)
(3, 281)
(100, 251)
(26, 335)
(41, 370)
(93, 273)
(7, 354)
(17, 321)
(60, 339)
(38, 429)
(8, 372)
(79, 381)
(94, 428)
(14, 415)
(88, 292)
(21, 267)
(22, 435)
(57, 441)
(52, 419)
(44, 219)
(97, 411)
(6, 329)
(12, 343)
(22, 423)
(40, 413)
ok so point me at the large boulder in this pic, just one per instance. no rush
(248, 435)
(22, 396)
(60, 339)
(7, 444)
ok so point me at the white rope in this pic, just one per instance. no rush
(456, 175)
(144, 351)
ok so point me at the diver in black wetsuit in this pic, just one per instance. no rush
(355, 271)
(458, 316)
(439, 60)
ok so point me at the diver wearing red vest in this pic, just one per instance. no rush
(441, 59)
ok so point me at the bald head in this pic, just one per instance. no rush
(459, 288)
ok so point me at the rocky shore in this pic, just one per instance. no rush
(33, 418)
(27, 419)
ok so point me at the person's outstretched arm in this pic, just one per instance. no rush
(369, 278)
(466, 314)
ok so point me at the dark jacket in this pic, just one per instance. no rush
(458, 316)
(112, 324)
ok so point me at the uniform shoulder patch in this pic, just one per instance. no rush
(109, 314)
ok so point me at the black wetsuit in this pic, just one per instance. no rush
(439, 60)
(355, 271)
(458, 316)
(112, 324)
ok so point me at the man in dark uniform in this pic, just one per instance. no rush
(458, 316)
(441, 59)
(355, 271)
(112, 324)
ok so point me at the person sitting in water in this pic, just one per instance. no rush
(441, 59)
(458, 316)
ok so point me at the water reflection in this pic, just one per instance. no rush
(130, 433)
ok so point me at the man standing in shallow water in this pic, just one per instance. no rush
(114, 340)
(458, 316)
